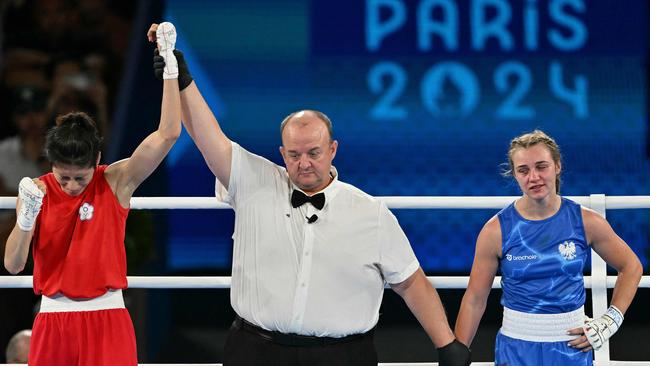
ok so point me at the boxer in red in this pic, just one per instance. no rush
(75, 217)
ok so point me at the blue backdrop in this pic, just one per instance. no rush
(424, 96)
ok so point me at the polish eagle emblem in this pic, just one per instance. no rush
(568, 250)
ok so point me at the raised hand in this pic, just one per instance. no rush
(184, 76)
(166, 39)
(159, 64)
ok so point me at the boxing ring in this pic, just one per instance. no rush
(598, 281)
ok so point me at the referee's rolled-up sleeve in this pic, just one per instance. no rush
(396, 258)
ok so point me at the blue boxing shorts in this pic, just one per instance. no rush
(517, 352)
(527, 339)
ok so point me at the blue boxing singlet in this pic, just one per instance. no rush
(543, 260)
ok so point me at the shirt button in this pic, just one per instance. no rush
(306, 254)
(303, 284)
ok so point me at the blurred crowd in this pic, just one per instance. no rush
(56, 56)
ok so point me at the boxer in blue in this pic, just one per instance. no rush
(540, 243)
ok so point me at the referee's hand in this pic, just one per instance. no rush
(454, 354)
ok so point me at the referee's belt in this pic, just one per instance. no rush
(296, 340)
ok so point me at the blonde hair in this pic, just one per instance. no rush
(528, 140)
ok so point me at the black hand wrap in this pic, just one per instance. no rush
(454, 354)
(184, 77)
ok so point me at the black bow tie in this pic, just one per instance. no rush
(298, 199)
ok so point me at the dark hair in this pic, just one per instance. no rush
(320, 115)
(74, 141)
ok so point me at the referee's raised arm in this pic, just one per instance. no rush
(199, 120)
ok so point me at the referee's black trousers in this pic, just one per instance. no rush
(245, 348)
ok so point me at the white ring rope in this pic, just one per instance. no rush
(222, 282)
(413, 202)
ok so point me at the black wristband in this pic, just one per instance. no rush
(454, 354)
(158, 65)
(184, 77)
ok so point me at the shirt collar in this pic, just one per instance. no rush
(330, 190)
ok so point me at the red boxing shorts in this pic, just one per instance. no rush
(82, 338)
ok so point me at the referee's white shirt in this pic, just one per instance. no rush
(322, 279)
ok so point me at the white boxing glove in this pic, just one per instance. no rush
(31, 198)
(166, 39)
(599, 330)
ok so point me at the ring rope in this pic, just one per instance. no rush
(401, 202)
(223, 282)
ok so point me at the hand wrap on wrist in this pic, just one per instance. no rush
(599, 330)
(184, 77)
(166, 39)
(31, 198)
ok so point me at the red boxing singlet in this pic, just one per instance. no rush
(78, 243)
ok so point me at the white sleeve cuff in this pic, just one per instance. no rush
(402, 276)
